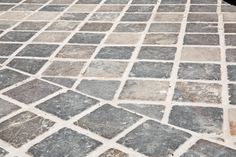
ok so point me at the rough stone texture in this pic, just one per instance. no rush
(6, 108)
(232, 121)
(231, 55)
(8, 49)
(113, 153)
(87, 38)
(161, 39)
(201, 39)
(67, 82)
(112, 52)
(232, 93)
(16, 36)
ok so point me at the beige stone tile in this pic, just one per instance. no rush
(169, 17)
(161, 39)
(229, 17)
(83, 8)
(51, 37)
(14, 15)
(111, 8)
(121, 39)
(232, 121)
(43, 15)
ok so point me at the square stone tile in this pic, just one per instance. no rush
(165, 27)
(168, 17)
(7, 108)
(162, 139)
(14, 15)
(231, 69)
(23, 127)
(87, 38)
(109, 69)
(232, 94)
(28, 25)
(198, 92)
(27, 7)
(161, 39)
(172, 8)
(174, 2)
(96, 27)
(111, 8)
(206, 148)
(202, 27)
(199, 119)
(130, 27)
(46, 16)
(232, 121)
(16, 36)
(112, 121)
(230, 40)
(9, 77)
(151, 70)
(203, 8)
(89, 1)
(31, 66)
(67, 82)
(76, 51)
(67, 105)
(157, 53)
(140, 9)
(38, 50)
(116, 1)
(113, 152)
(151, 110)
(200, 17)
(64, 68)
(136, 17)
(8, 49)
(201, 39)
(144, 2)
(104, 17)
(3, 152)
(231, 55)
(33, 91)
(196, 71)
(63, 26)
(123, 38)
(54, 8)
(145, 90)
(64, 142)
(200, 54)
(73, 16)
(51, 37)
(230, 28)
(99, 88)
(82, 8)
(115, 52)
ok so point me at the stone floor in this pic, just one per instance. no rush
(117, 78)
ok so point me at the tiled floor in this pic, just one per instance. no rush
(117, 78)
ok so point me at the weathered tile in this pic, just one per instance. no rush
(152, 138)
(76, 51)
(31, 66)
(33, 91)
(198, 92)
(64, 142)
(62, 1)
(200, 17)
(140, 9)
(104, 17)
(67, 82)
(3, 152)
(8, 49)
(112, 121)
(151, 70)
(116, 1)
(145, 90)
(38, 50)
(228, 8)
(14, 15)
(10, 1)
(64, 68)
(67, 105)
(54, 8)
(115, 52)
(82, 8)
(87, 38)
(174, 2)
(123, 38)
(144, 2)
(88, 1)
(206, 148)
(111, 8)
(232, 121)
(150, 110)
(136, 17)
(164, 27)
(203, 2)
(202, 27)
(23, 127)
(96, 27)
(28, 25)
(130, 27)
(46, 16)
(161, 39)
(203, 8)
(17, 36)
(27, 7)
(230, 40)
(157, 53)
(63, 26)
(195, 71)
(6, 108)
(230, 28)
(172, 8)
(232, 94)
(6, 7)
(231, 55)
(36, 1)
(113, 152)
(73, 16)
(6, 24)
(51, 37)
(106, 69)
(168, 17)
(9, 77)
(231, 69)
(201, 39)
(99, 88)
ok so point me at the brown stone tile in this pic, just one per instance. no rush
(82, 8)
(168, 17)
(232, 121)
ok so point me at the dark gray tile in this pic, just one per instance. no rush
(2, 60)
(204, 2)
(117, 1)
(111, 121)
(203, 8)
(195, 71)
(231, 69)
(10, 1)
(36, 1)
(232, 94)
(6, 108)
(99, 88)
(157, 53)
(113, 153)
(30, 25)
(3, 152)
(9, 77)
(201, 39)
(200, 17)
(73, 16)
(23, 127)
(199, 119)
(171, 8)
(140, 9)
(89, 1)
(8, 49)
(16, 36)
(206, 148)
(63, 143)
(67, 82)
(112, 52)
(96, 27)
(230, 40)
(152, 138)
(87, 38)
(228, 8)
(6, 24)
(202, 27)
(144, 2)
(54, 8)
(165, 27)
(33, 91)
(150, 110)
(230, 27)
(231, 55)
(151, 70)
(136, 17)
(130, 27)
(31, 66)
(38, 50)
(27, 7)
(6, 7)
(174, 2)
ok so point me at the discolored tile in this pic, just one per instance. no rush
(14, 15)
(111, 8)
(82, 8)
(172, 8)
(232, 94)
(203, 8)
(232, 121)
(87, 38)
(8, 49)
(63, 26)
(51, 37)
(228, 8)
(28, 25)
(96, 27)
(6, 24)
(164, 27)
(201, 39)
(200, 17)
(136, 17)
(123, 38)
(27, 7)
(140, 9)
(144, 1)
(67, 82)
(17, 36)
(36, 1)
(231, 69)
(231, 55)
(112, 121)
(113, 152)
(202, 27)
(230, 40)
(104, 17)
(203, 2)
(174, 2)
(45, 16)
(230, 28)
(115, 52)
(54, 8)
(88, 1)
(116, 1)
(4, 7)
(161, 39)
(168, 17)
(7, 108)
(130, 27)
(62, 1)
(73, 16)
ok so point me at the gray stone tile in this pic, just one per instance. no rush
(168, 17)
(67, 105)
(144, 2)
(104, 17)
(199, 119)
(198, 92)
(38, 50)
(73, 16)
(27, 7)
(140, 9)
(232, 94)
(54, 8)
(203, 2)
(6, 24)
(136, 17)
(171, 8)
(230, 40)
(31, 66)
(96, 27)
(231, 69)
(9, 77)
(112, 52)
(63, 143)
(111, 8)
(6, 7)
(145, 90)
(201, 39)
(174, 2)
(88, 1)
(130, 27)
(231, 55)
(116, 1)
(36, 1)
(150, 110)
(151, 70)
(16, 36)
(200, 17)
(152, 138)
(30, 25)
(67, 82)
(99, 88)
(228, 8)
(203, 8)
(6, 108)
(23, 128)
(111, 121)
(202, 27)
(161, 39)
(113, 153)
(164, 27)
(195, 71)
(230, 28)
(10, 1)
(3, 152)
(206, 148)
(53, 37)
(33, 91)
(2, 60)
(62, 1)
(87, 38)
(63, 26)
(157, 53)
(8, 49)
